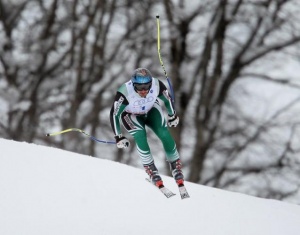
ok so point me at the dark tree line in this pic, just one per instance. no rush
(61, 62)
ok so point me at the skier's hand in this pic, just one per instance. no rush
(122, 142)
(173, 120)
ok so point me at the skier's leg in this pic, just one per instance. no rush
(135, 125)
(157, 122)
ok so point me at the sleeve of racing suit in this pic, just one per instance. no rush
(120, 102)
(166, 98)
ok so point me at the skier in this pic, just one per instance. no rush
(137, 106)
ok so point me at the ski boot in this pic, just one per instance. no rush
(177, 172)
(155, 178)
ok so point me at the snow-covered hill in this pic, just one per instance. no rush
(45, 190)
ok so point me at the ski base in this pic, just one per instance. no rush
(165, 191)
(183, 192)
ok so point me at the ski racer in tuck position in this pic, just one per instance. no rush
(136, 105)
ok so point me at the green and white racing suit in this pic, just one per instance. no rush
(136, 112)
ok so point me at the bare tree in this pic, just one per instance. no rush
(61, 66)
(239, 35)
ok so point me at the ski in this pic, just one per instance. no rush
(165, 191)
(183, 192)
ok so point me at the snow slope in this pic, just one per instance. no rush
(45, 190)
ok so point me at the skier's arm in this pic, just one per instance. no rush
(166, 98)
(117, 108)
(164, 95)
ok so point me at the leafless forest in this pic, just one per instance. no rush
(234, 66)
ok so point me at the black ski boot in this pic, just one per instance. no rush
(177, 172)
(155, 178)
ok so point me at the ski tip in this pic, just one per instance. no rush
(183, 192)
(184, 195)
(157, 16)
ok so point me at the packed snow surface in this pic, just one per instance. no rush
(45, 190)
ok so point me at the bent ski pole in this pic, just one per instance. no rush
(161, 62)
(81, 131)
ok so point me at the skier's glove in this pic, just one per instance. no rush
(173, 120)
(121, 141)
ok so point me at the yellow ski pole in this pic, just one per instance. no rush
(161, 61)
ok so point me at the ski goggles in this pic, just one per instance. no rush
(141, 87)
